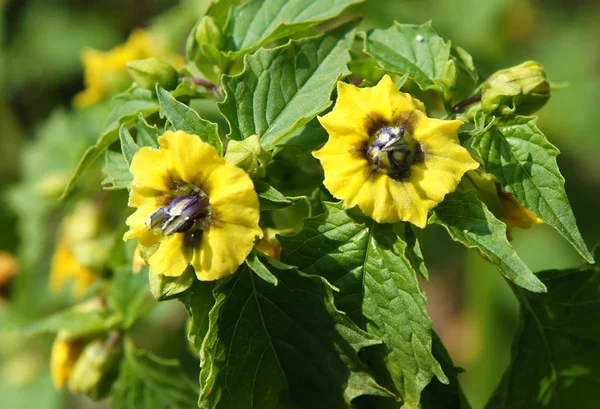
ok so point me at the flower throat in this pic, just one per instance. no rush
(181, 214)
(393, 151)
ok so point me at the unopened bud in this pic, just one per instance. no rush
(97, 367)
(522, 89)
(208, 33)
(249, 155)
(151, 71)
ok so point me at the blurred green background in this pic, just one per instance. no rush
(472, 307)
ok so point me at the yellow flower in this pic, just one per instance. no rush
(269, 244)
(515, 215)
(63, 357)
(386, 156)
(105, 73)
(65, 267)
(195, 206)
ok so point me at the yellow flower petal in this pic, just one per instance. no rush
(153, 169)
(350, 175)
(63, 357)
(193, 159)
(172, 257)
(137, 226)
(223, 249)
(65, 268)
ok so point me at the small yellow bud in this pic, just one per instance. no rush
(97, 367)
(522, 89)
(151, 71)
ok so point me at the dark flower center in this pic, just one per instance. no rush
(392, 151)
(181, 214)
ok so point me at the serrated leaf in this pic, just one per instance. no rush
(198, 301)
(468, 221)
(260, 335)
(147, 381)
(146, 135)
(413, 251)
(271, 198)
(127, 294)
(128, 145)
(378, 288)
(282, 89)
(413, 49)
(555, 361)
(260, 269)
(117, 172)
(257, 22)
(184, 118)
(516, 152)
(125, 113)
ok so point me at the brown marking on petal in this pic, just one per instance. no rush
(406, 119)
(173, 181)
(193, 237)
(374, 122)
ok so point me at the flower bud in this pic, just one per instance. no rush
(208, 33)
(522, 89)
(151, 71)
(97, 367)
(249, 155)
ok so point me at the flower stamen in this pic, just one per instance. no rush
(392, 151)
(181, 214)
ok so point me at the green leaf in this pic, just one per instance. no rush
(555, 361)
(186, 119)
(412, 49)
(128, 145)
(413, 251)
(198, 301)
(146, 135)
(128, 294)
(258, 22)
(437, 395)
(469, 222)
(517, 153)
(124, 113)
(147, 381)
(283, 345)
(271, 198)
(281, 90)
(260, 269)
(164, 287)
(378, 288)
(77, 322)
(117, 172)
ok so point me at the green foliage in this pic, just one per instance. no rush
(555, 361)
(469, 222)
(519, 155)
(412, 49)
(360, 257)
(147, 381)
(260, 334)
(328, 313)
(258, 22)
(282, 89)
(183, 118)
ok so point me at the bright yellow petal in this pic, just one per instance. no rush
(137, 226)
(172, 257)
(63, 357)
(346, 170)
(232, 197)
(153, 169)
(193, 158)
(222, 250)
